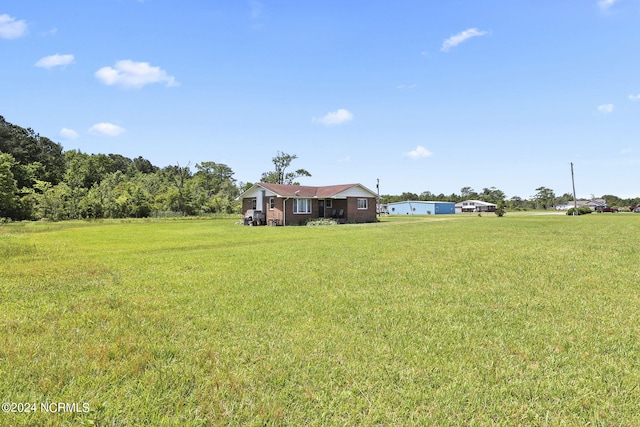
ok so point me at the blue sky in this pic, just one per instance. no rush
(422, 95)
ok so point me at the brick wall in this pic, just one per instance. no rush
(361, 215)
(350, 207)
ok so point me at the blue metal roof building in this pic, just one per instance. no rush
(421, 208)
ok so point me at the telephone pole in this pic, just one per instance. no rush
(378, 205)
(575, 201)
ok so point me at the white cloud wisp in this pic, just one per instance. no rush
(68, 133)
(131, 74)
(454, 41)
(419, 153)
(106, 129)
(606, 108)
(335, 118)
(56, 60)
(606, 4)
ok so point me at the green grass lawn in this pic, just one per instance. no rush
(452, 320)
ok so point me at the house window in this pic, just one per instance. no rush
(329, 203)
(363, 204)
(302, 206)
(272, 203)
(254, 204)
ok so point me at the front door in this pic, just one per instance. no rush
(320, 208)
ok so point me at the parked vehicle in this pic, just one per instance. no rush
(609, 209)
(635, 209)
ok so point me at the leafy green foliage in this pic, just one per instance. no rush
(582, 210)
(8, 187)
(281, 162)
(29, 148)
(38, 181)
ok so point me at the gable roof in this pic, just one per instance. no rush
(306, 191)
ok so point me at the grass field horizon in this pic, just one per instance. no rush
(520, 320)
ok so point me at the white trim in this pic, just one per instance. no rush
(296, 206)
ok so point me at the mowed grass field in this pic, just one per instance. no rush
(453, 320)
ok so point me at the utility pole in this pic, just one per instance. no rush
(379, 206)
(575, 201)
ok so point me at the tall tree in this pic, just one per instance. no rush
(545, 197)
(279, 176)
(144, 165)
(468, 193)
(214, 188)
(27, 147)
(492, 195)
(8, 189)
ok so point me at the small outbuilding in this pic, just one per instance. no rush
(421, 208)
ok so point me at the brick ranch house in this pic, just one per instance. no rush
(281, 204)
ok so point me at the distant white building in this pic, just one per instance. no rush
(475, 206)
(594, 204)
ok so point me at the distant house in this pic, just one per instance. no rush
(420, 208)
(595, 204)
(475, 206)
(281, 204)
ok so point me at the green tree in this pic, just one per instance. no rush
(408, 196)
(9, 200)
(53, 200)
(143, 165)
(279, 176)
(214, 188)
(27, 147)
(467, 193)
(545, 198)
(426, 196)
(492, 195)
(176, 195)
(516, 202)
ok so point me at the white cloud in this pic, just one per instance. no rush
(419, 153)
(606, 108)
(68, 133)
(606, 4)
(106, 129)
(54, 61)
(10, 28)
(335, 118)
(454, 41)
(133, 74)
(411, 86)
(635, 97)
(626, 151)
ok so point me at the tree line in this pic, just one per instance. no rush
(39, 180)
(544, 198)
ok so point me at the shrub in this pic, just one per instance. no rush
(322, 221)
(582, 210)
